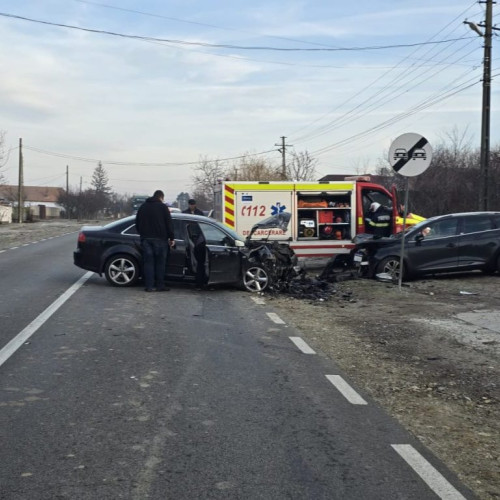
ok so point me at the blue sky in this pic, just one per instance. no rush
(149, 109)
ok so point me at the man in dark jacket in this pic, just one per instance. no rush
(155, 227)
(378, 220)
(192, 208)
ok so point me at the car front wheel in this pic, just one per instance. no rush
(389, 265)
(255, 279)
(122, 270)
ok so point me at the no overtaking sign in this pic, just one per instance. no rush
(410, 154)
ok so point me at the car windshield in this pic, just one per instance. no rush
(229, 231)
(417, 227)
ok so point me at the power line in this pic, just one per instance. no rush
(142, 164)
(196, 23)
(423, 105)
(229, 46)
(459, 16)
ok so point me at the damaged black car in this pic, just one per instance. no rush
(443, 244)
(115, 251)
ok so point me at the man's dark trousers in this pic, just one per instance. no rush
(155, 253)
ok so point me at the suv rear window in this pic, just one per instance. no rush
(476, 224)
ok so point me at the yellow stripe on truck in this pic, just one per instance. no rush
(335, 186)
(256, 186)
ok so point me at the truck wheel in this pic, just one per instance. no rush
(255, 279)
(389, 265)
(121, 270)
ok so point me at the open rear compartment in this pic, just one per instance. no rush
(324, 215)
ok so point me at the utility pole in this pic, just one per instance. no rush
(67, 189)
(486, 106)
(20, 201)
(282, 150)
(485, 125)
(79, 200)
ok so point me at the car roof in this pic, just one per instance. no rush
(462, 214)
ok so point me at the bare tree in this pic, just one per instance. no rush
(250, 168)
(302, 167)
(206, 175)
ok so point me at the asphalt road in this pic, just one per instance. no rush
(181, 395)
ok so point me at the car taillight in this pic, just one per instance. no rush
(81, 238)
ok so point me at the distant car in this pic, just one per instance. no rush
(447, 243)
(115, 251)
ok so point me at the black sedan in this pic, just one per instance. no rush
(447, 243)
(115, 251)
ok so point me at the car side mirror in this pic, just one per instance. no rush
(238, 243)
(419, 237)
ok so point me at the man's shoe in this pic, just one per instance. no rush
(165, 289)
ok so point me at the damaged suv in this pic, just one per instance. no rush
(442, 244)
(115, 251)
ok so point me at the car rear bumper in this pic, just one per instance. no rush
(79, 261)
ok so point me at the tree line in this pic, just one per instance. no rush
(450, 184)
(96, 201)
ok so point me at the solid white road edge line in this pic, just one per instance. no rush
(276, 319)
(302, 345)
(10, 348)
(428, 473)
(346, 390)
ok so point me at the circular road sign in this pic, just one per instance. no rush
(410, 154)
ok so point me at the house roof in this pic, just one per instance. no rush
(40, 194)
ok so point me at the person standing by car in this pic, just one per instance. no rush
(378, 220)
(198, 251)
(192, 208)
(154, 225)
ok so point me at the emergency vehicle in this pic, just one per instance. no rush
(325, 215)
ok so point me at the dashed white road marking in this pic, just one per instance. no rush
(26, 244)
(428, 473)
(259, 300)
(276, 319)
(346, 390)
(7, 351)
(13, 248)
(302, 345)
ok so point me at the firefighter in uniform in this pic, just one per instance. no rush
(378, 220)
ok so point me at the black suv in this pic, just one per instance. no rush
(447, 243)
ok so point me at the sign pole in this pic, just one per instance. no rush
(405, 211)
(409, 155)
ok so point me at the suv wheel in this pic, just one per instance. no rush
(389, 265)
(122, 270)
